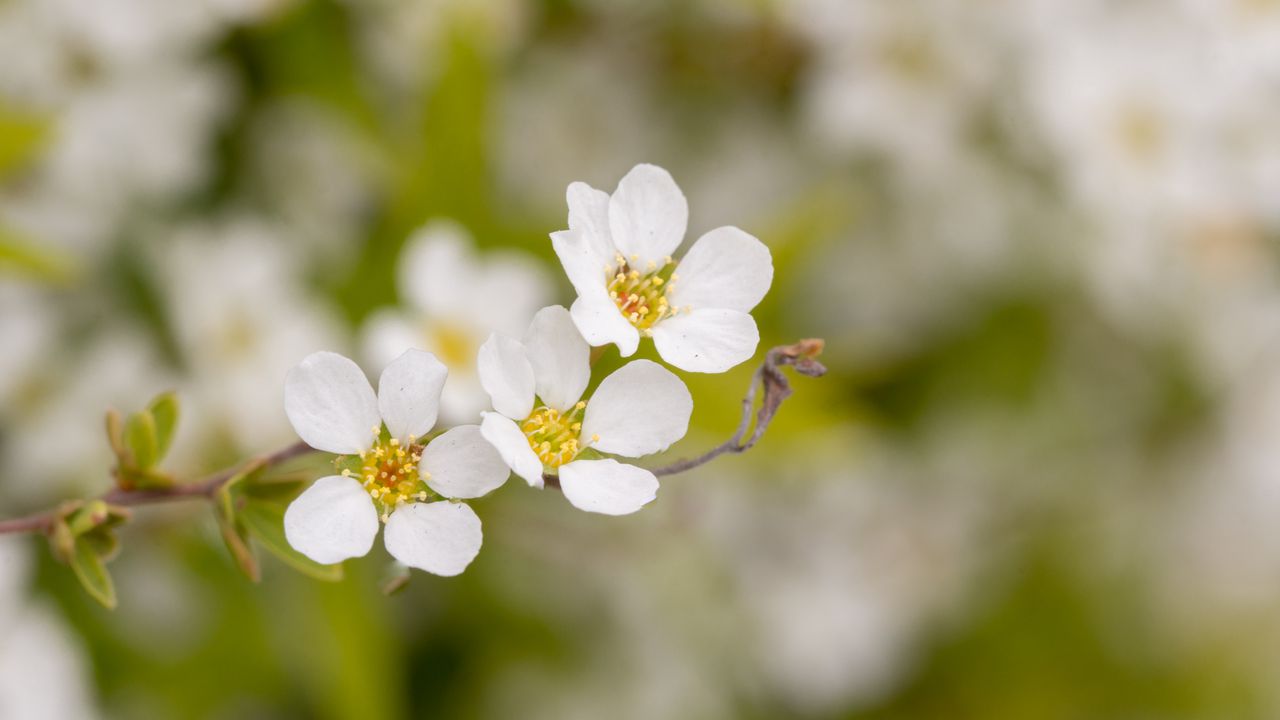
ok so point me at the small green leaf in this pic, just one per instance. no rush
(236, 538)
(104, 542)
(278, 489)
(266, 522)
(115, 434)
(164, 411)
(136, 479)
(140, 439)
(61, 541)
(92, 574)
(89, 516)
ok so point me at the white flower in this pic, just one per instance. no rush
(333, 408)
(456, 301)
(617, 254)
(240, 316)
(540, 423)
(43, 673)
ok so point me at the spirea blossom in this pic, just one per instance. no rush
(542, 425)
(455, 299)
(617, 253)
(393, 472)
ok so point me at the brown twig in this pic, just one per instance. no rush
(768, 377)
(203, 488)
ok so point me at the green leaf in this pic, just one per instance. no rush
(92, 574)
(26, 257)
(277, 489)
(87, 517)
(266, 522)
(115, 434)
(236, 537)
(21, 137)
(103, 541)
(61, 542)
(140, 438)
(164, 411)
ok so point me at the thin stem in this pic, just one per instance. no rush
(200, 489)
(768, 378)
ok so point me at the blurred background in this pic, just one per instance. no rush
(1040, 480)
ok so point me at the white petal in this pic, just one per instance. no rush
(437, 270)
(589, 214)
(505, 436)
(409, 394)
(332, 520)
(561, 359)
(710, 340)
(439, 537)
(726, 268)
(385, 336)
(607, 486)
(331, 405)
(505, 373)
(462, 464)
(640, 409)
(585, 268)
(601, 323)
(647, 215)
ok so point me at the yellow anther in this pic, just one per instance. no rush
(595, 437)
(580, 405)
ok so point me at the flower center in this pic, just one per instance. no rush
(455, 346)
(641, 296)
(553, 435)
(389, 473)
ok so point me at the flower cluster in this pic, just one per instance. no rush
(392, 468)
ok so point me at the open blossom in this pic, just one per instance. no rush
(617, 253)
(394, 475)
(542, 425)
(455, 300)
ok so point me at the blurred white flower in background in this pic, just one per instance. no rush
(542, 100)
(57, 447)
(900, 80)
(131, 110)
(30, 326)
(455, 300)
(316, 174)
(407, 43)
(242, 317)
(840, 564)
(43, 669)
